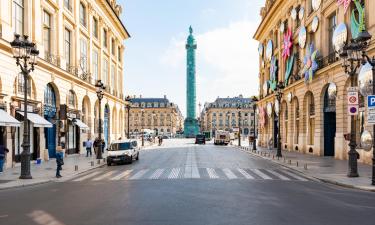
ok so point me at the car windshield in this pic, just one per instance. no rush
(120, 146)
(200, 136)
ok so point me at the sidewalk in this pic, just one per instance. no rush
(326, 169)
(46, 171)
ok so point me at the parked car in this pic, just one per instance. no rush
(200, 139)
(122, 151)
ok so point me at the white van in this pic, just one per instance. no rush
(122, 151)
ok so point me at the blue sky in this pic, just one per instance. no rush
(155, 57)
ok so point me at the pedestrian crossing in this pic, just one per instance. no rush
(192, 173)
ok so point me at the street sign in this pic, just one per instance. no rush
(371, 119)
(371, 101)
(353, 110)
(352, 89)
(352, 98)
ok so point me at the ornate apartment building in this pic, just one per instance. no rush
(158, 114)
(80, 42)
(230, 114)
(298, 45)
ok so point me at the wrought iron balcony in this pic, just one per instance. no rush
(326, 61)
(72, 69)
(53, 59)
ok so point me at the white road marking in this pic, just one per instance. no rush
(188, 171)
(261, 174)
(103, 176)
(139, 174)
(174, 173)
(157, 174)
(229, 173)
(245, 174)
(122, 175)
(212, 173)
(195, 173)
(87, 176)
(282, 177)
(294, 175)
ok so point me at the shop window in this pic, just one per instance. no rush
(72, 99)
(21, 85)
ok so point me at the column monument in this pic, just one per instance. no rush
(191, 123)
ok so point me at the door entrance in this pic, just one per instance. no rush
(329, 123)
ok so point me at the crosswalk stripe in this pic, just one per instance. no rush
(195, 173)
(261, 174)
(139, 174)
(245, 174)
(282, 177)
(229, 173)
(212, 173)
(157, 174)
(103, 176)
(87, 176)
(294, 175)
(174, 173)
(122, 175)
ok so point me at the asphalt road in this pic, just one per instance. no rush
(188, 185)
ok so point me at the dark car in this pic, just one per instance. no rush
(200, 139)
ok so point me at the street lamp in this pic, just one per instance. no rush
(26, 54)
(254, 100)
(352, 59)
(239, 124)
(128, 106)
(142, 126)
(100, 87)
(279, 94)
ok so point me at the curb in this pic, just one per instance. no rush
(68, 177)
(310, 177)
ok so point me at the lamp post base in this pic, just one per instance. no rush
(353, 168)
(25, 166)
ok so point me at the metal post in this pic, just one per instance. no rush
(25, 155)
(99, 155)
(353, 167)
(279, 154)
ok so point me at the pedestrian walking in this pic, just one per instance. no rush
(3, 154)
(59, 161)
(88, 147)
(96, 145)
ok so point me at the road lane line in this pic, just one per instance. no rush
(87, 176)
(282, 177)
(195, 173)
(139, 174)
(261, 174)
(212, 173)
(245, 174)
(293, 175)
(188, 171)
(229, 173)
(174, 173)
(156, 174)
(103, 176)
(122, 175)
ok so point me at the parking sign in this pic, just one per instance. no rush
(371, 101)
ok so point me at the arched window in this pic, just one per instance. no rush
(49, 96)
(21, 85)
(72, 99)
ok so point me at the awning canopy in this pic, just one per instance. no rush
(7, 120)
(80, 124)
(37, 120)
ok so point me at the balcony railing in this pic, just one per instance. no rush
(53, 59)
(326, 61)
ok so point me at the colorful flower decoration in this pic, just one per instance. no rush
(273, 71)
(345, 3)
(310, 64)
(287, 45)
(289, 68)
(262, 116)
(357, 24)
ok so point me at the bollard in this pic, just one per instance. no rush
(305, 166)
(289, 162)
(92, 163)
(76, 168)
(297, 163)
(98, 161)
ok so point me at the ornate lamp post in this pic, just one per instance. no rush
(26, 54)
(128, 106)
(255, 100)
(142, 124)
(100, 93)
(239, 124)
(279, 94)
(352, 60)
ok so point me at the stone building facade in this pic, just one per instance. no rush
(157, 114)
(226, 114)
(80, 42)
(314, 115)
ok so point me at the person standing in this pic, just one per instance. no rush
(3, 154)
(88, 147)
(59, 161)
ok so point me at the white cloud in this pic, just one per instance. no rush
(227, 61)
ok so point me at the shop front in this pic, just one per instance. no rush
(74, 132)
